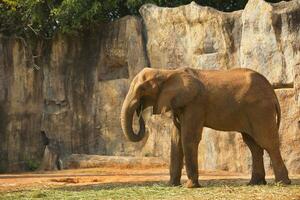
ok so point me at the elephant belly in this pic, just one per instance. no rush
(232, 120)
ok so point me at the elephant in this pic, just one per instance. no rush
(240, 100)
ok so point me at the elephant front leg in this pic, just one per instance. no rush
(191, 136)
(176, 160)
(191, 163)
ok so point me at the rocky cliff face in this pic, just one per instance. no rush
(21, 106)
(74, 87)
(72, 90)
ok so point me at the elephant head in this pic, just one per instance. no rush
(164, 90)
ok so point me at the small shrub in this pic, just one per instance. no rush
(32, 165)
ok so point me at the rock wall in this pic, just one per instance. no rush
(72, 90)
(74, 87)
(21, 103)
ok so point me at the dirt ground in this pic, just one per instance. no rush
(92, 176)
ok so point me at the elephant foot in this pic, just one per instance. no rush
(174, 183)
(285, 181)
(192, 184)
(257, 181)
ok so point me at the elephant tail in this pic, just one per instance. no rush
(278, 111)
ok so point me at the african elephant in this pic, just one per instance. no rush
(239, 100)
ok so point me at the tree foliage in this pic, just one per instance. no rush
(45, 17)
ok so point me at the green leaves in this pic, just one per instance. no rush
(45, 17)
(22, 17)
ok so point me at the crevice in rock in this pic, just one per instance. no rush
(52, 154)
(52, 106)
(113, 71)
(144, 41)
(283, 85)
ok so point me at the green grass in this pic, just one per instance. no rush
(210, 190)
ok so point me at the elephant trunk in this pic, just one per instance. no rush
(127, 113)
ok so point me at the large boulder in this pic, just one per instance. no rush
(76, 161)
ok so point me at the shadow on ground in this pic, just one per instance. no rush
(212, 183)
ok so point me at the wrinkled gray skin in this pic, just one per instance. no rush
(238, 100)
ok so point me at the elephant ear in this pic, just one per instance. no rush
(177, 91)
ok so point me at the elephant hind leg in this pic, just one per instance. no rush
(264, 131)
(280, 170)
(258, 170)
(269, 140)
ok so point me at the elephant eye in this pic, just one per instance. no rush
(142, 88)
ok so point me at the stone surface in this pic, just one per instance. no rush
(50, 160)
(192, 35)
(75, 161)
(223, 151)
(269, 32)
(122, 49)
(297, 82)
(289, 129)
(75, 91)
(75, 97)
(20, 106)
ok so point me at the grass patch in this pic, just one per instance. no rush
(160, 190)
